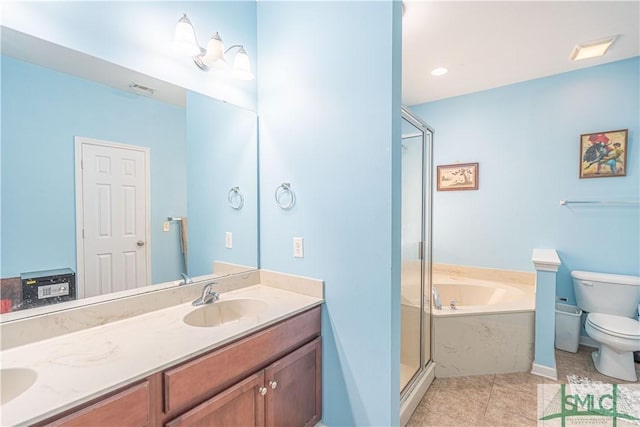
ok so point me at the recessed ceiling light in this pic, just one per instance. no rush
(439, 71)
(592, 49)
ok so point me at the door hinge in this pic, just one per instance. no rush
(83, 233)
(420, 249)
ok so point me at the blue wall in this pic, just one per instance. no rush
(222, 142)
(138, 35)
(329, 102)
(42, 112)
(526, 138)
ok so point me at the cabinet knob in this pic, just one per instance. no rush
(273, 384)
(262, 390)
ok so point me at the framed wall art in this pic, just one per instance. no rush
(603, 154)
(461, 176)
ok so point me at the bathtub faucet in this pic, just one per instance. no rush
(436, 299)
(452, 305)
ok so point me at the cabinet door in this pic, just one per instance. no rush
(294, 396)
(240, 405)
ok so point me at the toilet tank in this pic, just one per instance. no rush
(607, 293)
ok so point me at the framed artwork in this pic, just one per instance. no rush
(603, 154)
(461, 176)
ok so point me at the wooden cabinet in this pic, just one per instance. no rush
(286, 393)
(239, 405)
(294, 392)
(201, 378)
(270, 378)
(128, 408)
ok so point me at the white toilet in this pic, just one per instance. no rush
(612, 302)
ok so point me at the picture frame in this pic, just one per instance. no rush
(603, 154)
(457, 177)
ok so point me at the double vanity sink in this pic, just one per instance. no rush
(15, 381)
(50, 376)
(222, 313)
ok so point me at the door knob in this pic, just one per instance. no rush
(140, 243)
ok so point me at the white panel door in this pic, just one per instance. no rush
(114, 217)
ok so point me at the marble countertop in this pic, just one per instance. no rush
(77, 367)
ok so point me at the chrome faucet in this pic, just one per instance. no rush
(208, 295)
(436, 299)
(186, 280)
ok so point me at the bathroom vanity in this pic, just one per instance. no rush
(262, 367)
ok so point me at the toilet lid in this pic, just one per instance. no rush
(624, 327)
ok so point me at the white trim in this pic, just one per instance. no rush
(546, 260)
(411, 400)
(79, 220)
(79, 142)
(544, 371)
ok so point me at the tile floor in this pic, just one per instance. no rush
(500, 399)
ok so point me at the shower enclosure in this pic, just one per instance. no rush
(415, 310)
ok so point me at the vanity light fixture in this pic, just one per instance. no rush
(440, 71)
(186, 43)
(592, 49)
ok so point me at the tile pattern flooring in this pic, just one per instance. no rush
(500, 399)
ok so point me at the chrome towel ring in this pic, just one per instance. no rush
(235, 198)
(284, 191)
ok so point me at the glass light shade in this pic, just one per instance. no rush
(214, 57)
(184, 39)
(241, 66)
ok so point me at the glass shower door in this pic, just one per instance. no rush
(415, 293)
(412, 249)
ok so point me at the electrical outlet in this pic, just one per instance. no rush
(298, 247)
(228, 240)
(166, 226)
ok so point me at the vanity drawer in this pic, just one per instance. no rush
(127, 408)
(194, 381)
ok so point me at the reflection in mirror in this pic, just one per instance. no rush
(117, 176)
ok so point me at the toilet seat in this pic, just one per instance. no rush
(618, 326)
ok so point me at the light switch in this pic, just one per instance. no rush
(298, 247)
(228, 240)
(166, 226)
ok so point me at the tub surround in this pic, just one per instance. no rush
(483, 344)
(547, 263)
(451, 272)
(494, 337)
(75, 367)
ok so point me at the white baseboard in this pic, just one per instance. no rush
(544, 371)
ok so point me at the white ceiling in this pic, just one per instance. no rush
(490, 44)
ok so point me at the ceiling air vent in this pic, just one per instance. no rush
(142, 90)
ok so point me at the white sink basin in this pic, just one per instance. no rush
(15, 381)
(221, 313)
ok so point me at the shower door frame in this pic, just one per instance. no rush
(426, 239)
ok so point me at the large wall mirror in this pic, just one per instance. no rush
(68, 120)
